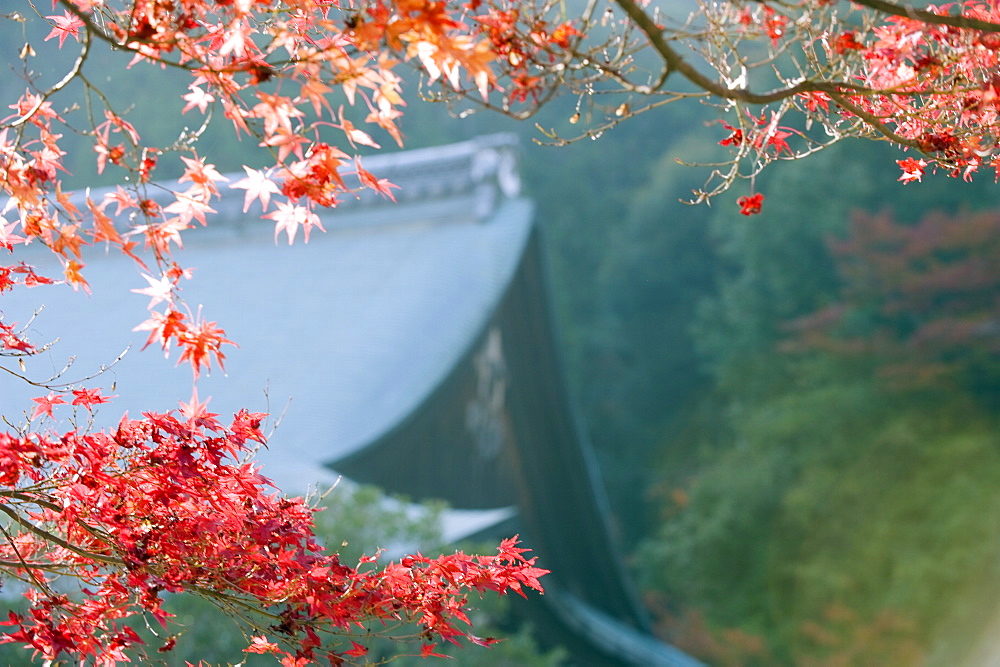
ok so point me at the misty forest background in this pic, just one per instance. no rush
(796, 414)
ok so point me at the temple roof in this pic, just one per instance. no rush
(342, 336)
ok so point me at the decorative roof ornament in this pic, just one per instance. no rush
(486, 415)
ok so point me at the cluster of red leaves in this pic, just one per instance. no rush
(46, 214)
(431, 32)
(921, 64)
(166, 503)
(751, 205)
(12, 341)
(766, 19)
(761, 136)
(921, 300)
(955, 126)
(232, 50)
(522, 40)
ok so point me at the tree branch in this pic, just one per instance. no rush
(874, 122)
(62, 83)
(55, 539)
(676, 63)
(93, 29)
(929, 17)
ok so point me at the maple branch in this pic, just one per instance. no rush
(48, 504)
(93, 28)
(24, 497)
(25, 378)
(593, 132)
(874, 122)
(675, 62)
(55, 539)
(929, 17)
(73, 72)
(25, 565)
(63, 386)
(218, 598)
(41, 584)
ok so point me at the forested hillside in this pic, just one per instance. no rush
(834, 500)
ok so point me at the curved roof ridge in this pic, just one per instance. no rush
(474, 175)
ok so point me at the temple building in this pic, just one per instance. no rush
(410, 346)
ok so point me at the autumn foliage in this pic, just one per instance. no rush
(172, 502)
(922, 299)
(168, 503)
(126, 512)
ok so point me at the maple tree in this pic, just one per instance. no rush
(122, 510)
(172, 502)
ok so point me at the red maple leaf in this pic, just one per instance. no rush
(64, 26)
(46, 403)
(89, 397)
(357, 651)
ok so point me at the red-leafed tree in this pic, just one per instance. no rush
(922, 300)
(128, 512)
(100, 524)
